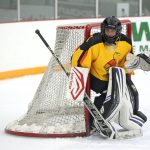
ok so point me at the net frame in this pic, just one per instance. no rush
(16, 129)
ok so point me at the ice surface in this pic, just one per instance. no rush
(16, 94)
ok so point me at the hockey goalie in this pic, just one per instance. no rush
(121, 104)
(108, 56)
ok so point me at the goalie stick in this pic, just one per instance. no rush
(103, 127)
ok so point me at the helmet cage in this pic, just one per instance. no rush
(111, 23)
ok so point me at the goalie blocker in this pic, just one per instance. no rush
(77, 83)
(117, 107)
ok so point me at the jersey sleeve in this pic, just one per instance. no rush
(82, 58)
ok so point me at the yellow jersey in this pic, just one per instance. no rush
(99, 57)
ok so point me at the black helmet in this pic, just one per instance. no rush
(111, 23)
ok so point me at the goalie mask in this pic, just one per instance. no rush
(115, 25)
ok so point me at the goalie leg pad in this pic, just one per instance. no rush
(126, 118)
(113, 100)
(117, 105)
(134, 96)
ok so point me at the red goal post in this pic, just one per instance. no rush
(50, 113)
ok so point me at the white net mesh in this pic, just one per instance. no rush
(50, 112)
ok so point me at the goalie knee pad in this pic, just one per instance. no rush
(128, 116)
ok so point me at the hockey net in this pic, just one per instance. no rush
(51, 114)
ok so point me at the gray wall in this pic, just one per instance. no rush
(61, 9)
